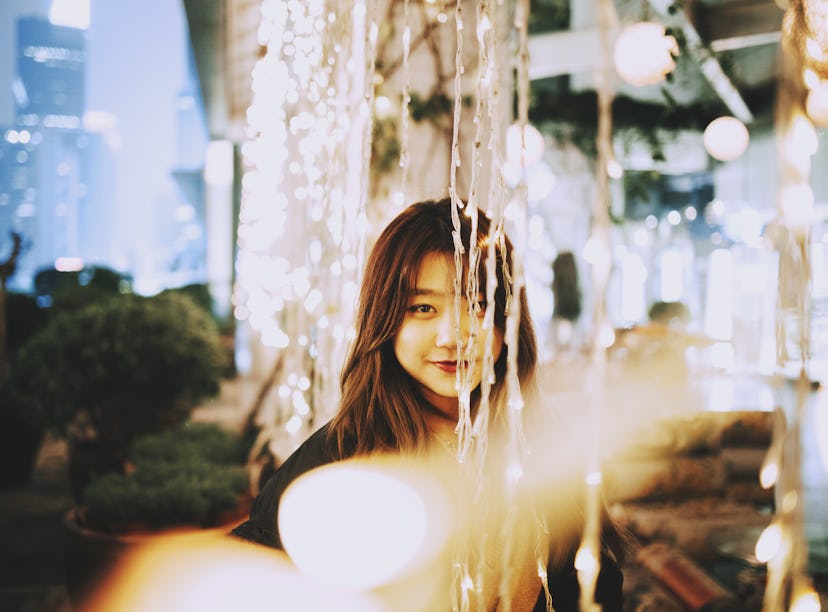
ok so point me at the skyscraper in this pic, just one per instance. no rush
(41, 194)
(49, 89)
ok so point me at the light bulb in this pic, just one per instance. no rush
(644, 53)
(726, 138)
(525, 152)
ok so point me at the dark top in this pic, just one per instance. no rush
(314, 452)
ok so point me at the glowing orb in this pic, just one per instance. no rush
(531, 146)
(209, 572)
(359, 525)
(816, 105)
(644, 53)
(769, 543)
(726, 138)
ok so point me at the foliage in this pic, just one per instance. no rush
(548, 15)
(188, 476)
(573, 116)
(565, 287)
(23, 319)
(385, 145)
(116, 369)
(191, 442)
(68, 290)
(669, 312)
(437, 108)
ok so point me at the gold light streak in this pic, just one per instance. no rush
(796, 144)
(598, 254)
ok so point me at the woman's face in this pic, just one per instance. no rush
(426, 343)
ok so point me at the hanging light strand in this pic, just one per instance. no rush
(464, 392)
(787, 578)
(405, 161)
(598, 255)
(297, 266)
(464, 587)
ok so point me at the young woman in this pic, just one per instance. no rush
(399, 385)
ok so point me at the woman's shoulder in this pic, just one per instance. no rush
(262, 526)
(315, 451)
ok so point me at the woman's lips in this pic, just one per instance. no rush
(446, 366)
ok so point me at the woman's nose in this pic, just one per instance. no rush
(446, 330)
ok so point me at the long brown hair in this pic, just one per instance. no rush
(381, 407)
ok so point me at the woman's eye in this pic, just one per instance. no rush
(423, 308)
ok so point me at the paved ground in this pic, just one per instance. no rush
(31, 563)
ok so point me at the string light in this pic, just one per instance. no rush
(783, 545)
(726, 138)
(309, 96)
(644, 53)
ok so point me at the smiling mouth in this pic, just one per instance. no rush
(446, 366)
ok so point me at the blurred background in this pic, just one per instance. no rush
(126, 168)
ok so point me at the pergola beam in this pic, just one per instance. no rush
(707, 62)
(726, 27)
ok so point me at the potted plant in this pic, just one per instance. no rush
(192, 477)
(106, 373)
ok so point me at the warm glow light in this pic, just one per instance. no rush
(606, 336)
(816, 104)
(821, 427)
(359, 525)
(672, 276)
(718, 314)
(726, 138)
(585, 560)
(596, 253)
(633, 289)
(813, 49)
(644, 54)
(593, 478)
(301, 224)
(769, 474)
(539, 181)
(525, 152)
(797, 203)
(218, 163)
(810, 78)
(208, 571)
(807, 601)
(801, 139)
(769, 543)
(68, 264)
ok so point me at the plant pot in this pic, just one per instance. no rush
(91, 556)
(88, 458)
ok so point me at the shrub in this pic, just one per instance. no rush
(193, 475)
(23, 319)
(669, 313)
(191, 442)
(117, 369)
